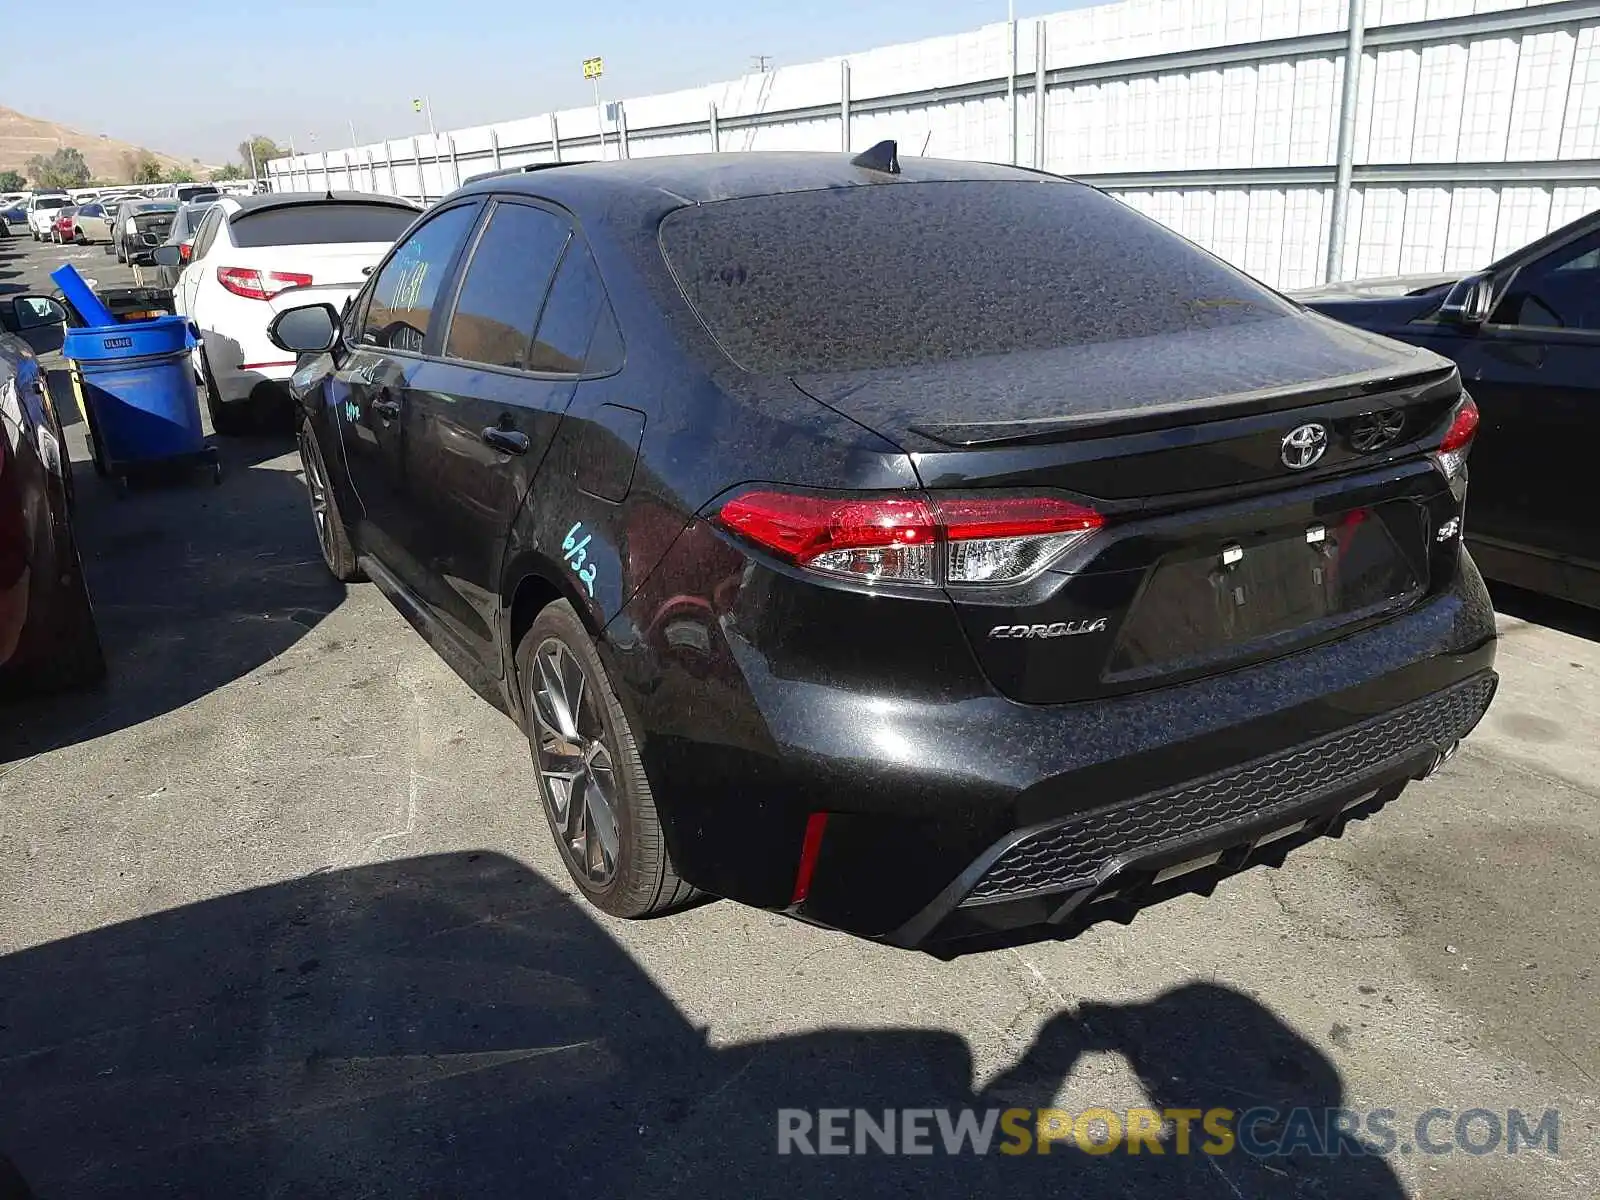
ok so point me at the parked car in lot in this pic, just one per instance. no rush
(142, 226)
(43, 208)
(1525, 333)
(249, 249)
(61, 229)
(89, 224)
(181, 235)
(13, 216)
(47, 630)
(924, 549)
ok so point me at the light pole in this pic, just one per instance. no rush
(593, 68)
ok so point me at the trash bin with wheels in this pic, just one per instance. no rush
(135, 387)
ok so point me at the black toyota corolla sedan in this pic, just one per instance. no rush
(1525, 333)
(925, 549)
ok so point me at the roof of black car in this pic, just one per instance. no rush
(702, 178)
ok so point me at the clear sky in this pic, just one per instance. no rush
(293, 68)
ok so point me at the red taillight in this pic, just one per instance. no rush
(896, 538)
(1452, 453)
(249, 282)
(184, 250)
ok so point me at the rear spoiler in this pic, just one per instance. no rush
(1399, 391)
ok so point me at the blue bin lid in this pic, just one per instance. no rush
(131, 339)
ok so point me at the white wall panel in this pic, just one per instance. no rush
(1580, 128)
(1439, 95)
(1470, 240)
(1486, 108)
(1426, 230)
(1463, 96)
(1524, 215)
(1383, 214)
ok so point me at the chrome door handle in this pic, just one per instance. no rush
(389, 410)
(512, 441)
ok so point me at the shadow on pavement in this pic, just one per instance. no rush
(194, 585)
(454, 1026)
(1539, 609)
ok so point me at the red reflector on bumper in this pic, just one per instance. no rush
(816, 825)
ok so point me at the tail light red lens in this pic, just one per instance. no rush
(184, 250)
(1452, 453)
(252, 285)
(909, 538)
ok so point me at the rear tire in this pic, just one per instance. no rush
(332, 537)
(591, 783)
(227, 420)
(78, 660)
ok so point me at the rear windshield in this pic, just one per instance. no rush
(902, 274)
(320, 224)
(50, 202)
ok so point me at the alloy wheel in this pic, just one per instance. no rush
(575, 763)
(317, 485)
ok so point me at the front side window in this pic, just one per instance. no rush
(505, 284)
(403, 297)
(1559, 291)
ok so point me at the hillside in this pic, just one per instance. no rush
(21, 137)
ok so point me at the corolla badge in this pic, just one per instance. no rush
(1303, 446)
(1053, 630)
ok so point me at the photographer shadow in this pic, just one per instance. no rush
(454, 1026)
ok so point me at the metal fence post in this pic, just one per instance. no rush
(1011, 85)
(455, 165)
(494, 146)
(716, 133)
(1039, 86)
(388, 161)
(416, 155)
(844, 106)
(555, 138)
(622, 131)
(1349, 101)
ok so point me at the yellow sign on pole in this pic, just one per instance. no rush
(593, 68)
(416, 105)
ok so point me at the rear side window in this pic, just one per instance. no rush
(567, 325)
(505, 286)
(320, 224)
(206, 233)
(895, 275)
(404, 293)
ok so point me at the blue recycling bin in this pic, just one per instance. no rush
(136, 389)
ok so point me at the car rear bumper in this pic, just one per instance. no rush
(935, 796)
(1052, 874)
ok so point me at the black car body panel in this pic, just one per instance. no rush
(1534, 369)
(47, 633)
(763, 693)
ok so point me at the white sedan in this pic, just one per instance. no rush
(246, 251)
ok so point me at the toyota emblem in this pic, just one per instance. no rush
(1303, 446)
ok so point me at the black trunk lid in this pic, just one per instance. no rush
(1233, 534)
